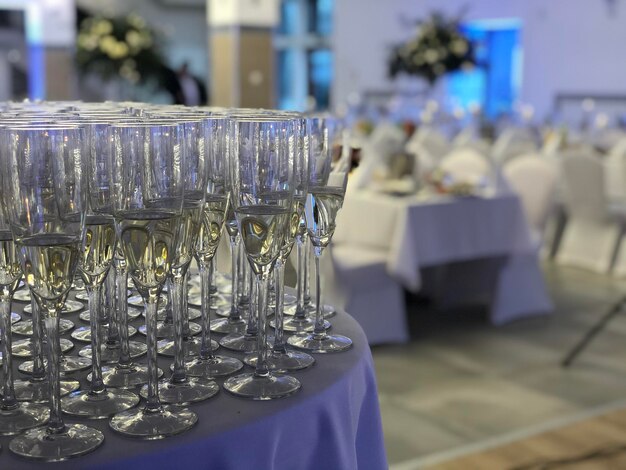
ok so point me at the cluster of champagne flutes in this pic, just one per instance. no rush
(124, 190)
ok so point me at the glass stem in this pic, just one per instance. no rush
(307, 266)
(244, 281)
(252, 327)
(113, 336)
(39, 370)
(213, 271)
(53, 347)
(177, 291)
(279, 276)
(95, 293)
(121, 279)
(152, 404)
(234, 315)
(206, 352)
(319, 330)
(300, 310)
(8, 393)
(262, 291)
(185, 309)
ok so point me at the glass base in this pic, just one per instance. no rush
(226, 326)
(329, 310)
(283, 361)
(77, 439)
(126, 377)
(193, 390)
(144, 424)
(166, 330)
(289, 299)
(193, 314)
(217, 301)
(239, 342)
(38, 391)
(70, 306)
(262, 387)
(22, 295)
(324, 343)
(96, 406)
(83, 334)
(137, 301)
(24, 347)
(112, 355)
(298, 325)
(132, 314)
(217, 366)
(192, 347)
(25, 328)
(24, 416)
(15, 317)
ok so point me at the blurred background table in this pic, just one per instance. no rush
(332, 422)
(384, 243)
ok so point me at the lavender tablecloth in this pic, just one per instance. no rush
(332, 423)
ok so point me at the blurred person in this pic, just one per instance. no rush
(191, 90)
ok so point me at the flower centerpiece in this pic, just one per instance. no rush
(125, 47)
(438, 48)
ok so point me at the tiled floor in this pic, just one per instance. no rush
(461, 381)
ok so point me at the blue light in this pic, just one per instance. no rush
(37, 72)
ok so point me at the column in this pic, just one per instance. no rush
(241, 52)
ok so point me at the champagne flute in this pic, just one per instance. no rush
(326, 192)
(281, 357)
(208, 364)
(234, 322)
(98, 249)
(261, 166)
(46, 205)
(179, 388)
(15, 417)
(148, 168)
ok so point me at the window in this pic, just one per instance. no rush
(304, 54)
(495, 82)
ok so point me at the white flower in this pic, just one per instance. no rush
(102, 28)
(459, 47)
(431, 56)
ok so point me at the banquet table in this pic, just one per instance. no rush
(332, 422)
(413, 232)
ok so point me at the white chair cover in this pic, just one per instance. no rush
(593, 232)
(615, 171)
(356, 279)
(512, 142)
(466, 165)
(428, 146)
(534, 181)
(386, 140)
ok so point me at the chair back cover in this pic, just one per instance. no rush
(584, 186)
(466, 164)
(534, 180)
(615, 171)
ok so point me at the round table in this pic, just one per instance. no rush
(333, 422)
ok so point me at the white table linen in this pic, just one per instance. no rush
(417, 232)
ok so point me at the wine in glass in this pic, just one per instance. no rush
(261, 167)
(147, 206)
(46, 206)
(327, 187)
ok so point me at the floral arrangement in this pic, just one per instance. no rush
(438, 48)
(119, 46)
